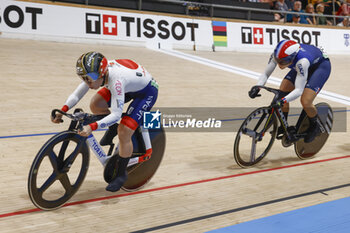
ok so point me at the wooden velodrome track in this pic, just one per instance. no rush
(198, 186)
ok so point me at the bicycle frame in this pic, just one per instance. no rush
(138, 157)
(97, 149)
(278, 113)
(61, 161)
(103, 157)
(266, 120)
(282, 119)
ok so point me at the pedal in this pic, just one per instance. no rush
(285, 142)
(293, 138)
(292, 130)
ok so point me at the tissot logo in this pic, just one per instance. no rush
(14, 16)
(139, 27)
(258, 36)
(246, 35)
(163, 29)
(252, 35)
(271, 36)
(108, 24)
(93, 23)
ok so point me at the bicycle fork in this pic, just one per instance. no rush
(255, 135)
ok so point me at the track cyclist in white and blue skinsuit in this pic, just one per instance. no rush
(121, 80)
(310, 69)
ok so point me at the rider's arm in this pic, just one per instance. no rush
(74, 98)
(268, 71)
(302, 67)
(117, 103)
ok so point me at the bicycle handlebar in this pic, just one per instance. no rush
(76, 116)
(273, 90)
(276, 92)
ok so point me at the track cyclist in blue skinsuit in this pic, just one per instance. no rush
(310, 69)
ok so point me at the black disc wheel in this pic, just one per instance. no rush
(309, 150)
(141, 174)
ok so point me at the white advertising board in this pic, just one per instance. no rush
(66, 23)
(263, 37)
(74, 22)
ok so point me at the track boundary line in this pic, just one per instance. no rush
(21, 212)
(213, 215)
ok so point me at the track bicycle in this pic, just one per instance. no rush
(59, 168)
(258, 131)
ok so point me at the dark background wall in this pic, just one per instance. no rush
(191, 8)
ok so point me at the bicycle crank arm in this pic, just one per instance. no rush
(286, 142)
(137, 160)
(301, 135)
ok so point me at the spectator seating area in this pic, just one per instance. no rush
(192, 9)
(241, 14)
(320, 9)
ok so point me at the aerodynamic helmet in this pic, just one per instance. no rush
(286, 51)
(91, 66)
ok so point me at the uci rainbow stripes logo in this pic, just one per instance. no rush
(219, 33)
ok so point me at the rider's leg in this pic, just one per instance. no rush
(306, 100)
(99, 103)
(129, 123)
(125, 142)
(286, 87)
(147, 141)
(317, 78)
(125, 131)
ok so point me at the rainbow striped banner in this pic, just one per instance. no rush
(219, 33)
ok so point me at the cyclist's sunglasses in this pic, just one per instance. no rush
(89, 77)
(283, 62)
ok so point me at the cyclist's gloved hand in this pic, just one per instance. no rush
(254, 92)
(86, 131)
(57, 118)
(279, 103)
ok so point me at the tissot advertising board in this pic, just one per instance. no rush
(69, 23)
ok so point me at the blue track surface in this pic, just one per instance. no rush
(330, 217)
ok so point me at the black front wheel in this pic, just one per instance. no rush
(58, 170)
(255, 137)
